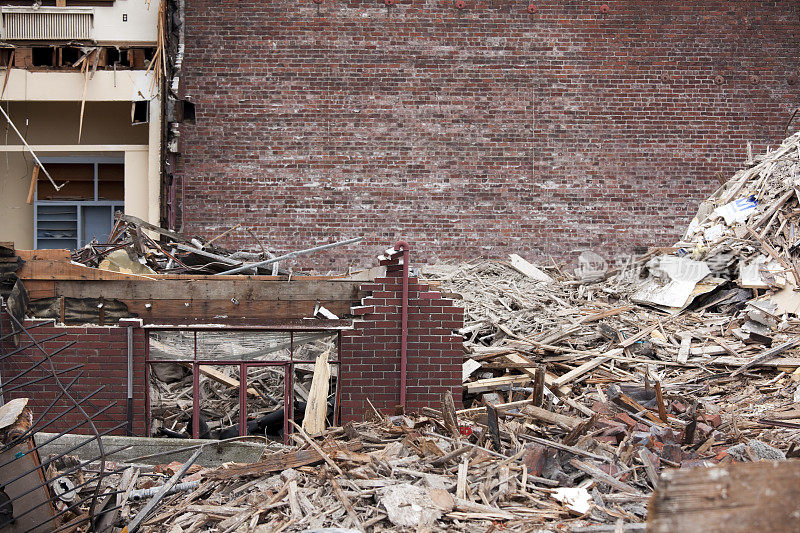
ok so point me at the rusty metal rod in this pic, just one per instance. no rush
(250, 266)
(38, 324)
(97, 434)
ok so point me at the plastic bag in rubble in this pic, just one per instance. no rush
(736, 211)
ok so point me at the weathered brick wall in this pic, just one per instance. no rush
(102, 352)
(478, 131)
(370, 353)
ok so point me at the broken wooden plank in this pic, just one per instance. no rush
(317, 404)
(34, 181)
(735, 498)
(562, 421)
(586, 367)
(524, 267)
(767, 355)
(490, 384)
(277, 462)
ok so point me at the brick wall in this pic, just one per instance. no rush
(369, 368)
(103, 353)
(479, 131)
(370, 353)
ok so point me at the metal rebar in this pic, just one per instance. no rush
(38, 324)
(35, 157)
(250, 266)
(97, 433)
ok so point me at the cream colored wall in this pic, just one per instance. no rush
(137, 187)
(51, 128)
(154, 164)
(139, 27)
(57, 123)
(104, 85)
(16, 216)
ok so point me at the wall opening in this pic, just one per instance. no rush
(197, 374)
(140, 112)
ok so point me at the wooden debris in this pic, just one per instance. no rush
(736, 498)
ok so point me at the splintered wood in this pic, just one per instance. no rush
(580, 391)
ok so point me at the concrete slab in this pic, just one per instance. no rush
(159, 450)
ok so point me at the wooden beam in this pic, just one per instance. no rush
(190, 289)
(205, 311)
(32, 189)
(279, 461)
(586, 367)
(490, 384)
(57, 265)
(543, 415)
(212, 373)
(317, 404)
(735, 498)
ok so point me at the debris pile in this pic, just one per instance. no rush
(133, 248)
(389, 473)
(580, 389)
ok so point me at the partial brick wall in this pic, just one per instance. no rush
(475, 132)
(369, 368)
(370, 353)
(103, 353)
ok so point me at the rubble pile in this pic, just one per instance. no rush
(580, 389)
(133, 248)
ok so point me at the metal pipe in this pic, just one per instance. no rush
(35, 158)
(141, 494)
(198, 251)
(129, 406)
(242, 400)
(143, 514)
(195, 401)
(250, 266)
(403, 246)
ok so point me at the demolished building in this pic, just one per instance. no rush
(592, 402)
(81, 92)
(394, 344)
(448, 396)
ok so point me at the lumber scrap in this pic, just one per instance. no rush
(278, 462)
(734, 498)
(317, 403)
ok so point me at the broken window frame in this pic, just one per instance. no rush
(244, 365)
